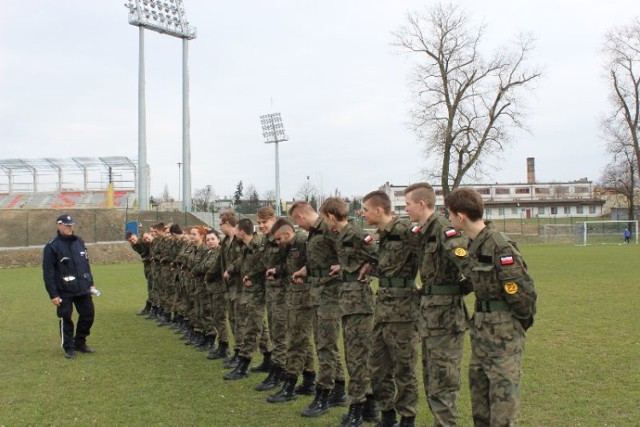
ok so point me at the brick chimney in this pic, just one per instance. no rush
(531, 170)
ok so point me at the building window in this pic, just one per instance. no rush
(522, 190)
(581, 190)
(500, 211)
(561, 190)
(554, 210)
(540, 211)
(567, 210)
(503, 190)
(484, 191)
(542, 190)
(579, 209)
(592, 209)
(398, 193)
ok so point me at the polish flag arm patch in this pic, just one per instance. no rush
(368, 240)
(415, 229)
(450, 232)
(506, 260)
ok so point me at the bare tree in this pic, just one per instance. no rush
(306, 191)
(622, 50)
(621, 174)
(203, 198)
(269, 196)
(464, 105)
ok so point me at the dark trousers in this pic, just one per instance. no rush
(86, 313)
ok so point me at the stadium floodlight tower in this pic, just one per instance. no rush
(273, 132)
(164, 17)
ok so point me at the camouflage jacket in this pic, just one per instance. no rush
(297, 294)
(251, 264)
(197, 267)
(321, 247)
(499, 274)
(397, 299)
(143, 249)
(274, 256)
(184, 257)
(444, 252)
(212, 265)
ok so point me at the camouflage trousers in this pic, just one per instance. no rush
(277, 319)
(326, 327)
(356, 335)
(218, 321)
(149, 279)
(256, 331)
(300, 354)
(441, 364)
(497, 344)
(394, 356)
(201, 306)
(234, 309)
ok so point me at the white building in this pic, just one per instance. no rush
(522, 200)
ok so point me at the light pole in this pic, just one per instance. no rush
(273, 132)
(164, 17)
(179, 195)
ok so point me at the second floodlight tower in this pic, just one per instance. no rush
(273, 132)
(164, 17)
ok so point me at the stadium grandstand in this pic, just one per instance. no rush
(69, 183)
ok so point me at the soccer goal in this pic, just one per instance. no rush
(558, 233)
(605, 232)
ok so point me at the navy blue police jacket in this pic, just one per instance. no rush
(65, 267)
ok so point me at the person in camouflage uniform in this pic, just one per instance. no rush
(167, 275)
(182, 252)
(356, 253)
(505, 308)
(443, 314)
(199, 294)
(325, 293)
(142, 247)
(155, 252)
(273, 256)
(394, 353)
(231, 253)
(212, 265)
(299, 355)
(253, 294)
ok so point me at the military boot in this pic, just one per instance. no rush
(354, 416)
(166, 319)
(231, 362)
(308, 386)
(287, 392)
(221, 352)
(176, 323)
(370, 410)
(207, 343)
(388, 419)
(338, 397)
(152, 313)
(145, 310)
(240, 371)
(407, 421)
(265, 366)
(159, 314)
(197, 339)
(272, 381)
(319, 404)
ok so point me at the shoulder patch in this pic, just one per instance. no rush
(460, 252)
(450, 232)
(511, 288)
(368, 240)
(415, 229)
(506, 260)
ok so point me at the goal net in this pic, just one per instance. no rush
(558, 233)
(605, 232)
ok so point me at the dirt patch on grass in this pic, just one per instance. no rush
(99, 253)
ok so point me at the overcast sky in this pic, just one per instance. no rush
(68, 87)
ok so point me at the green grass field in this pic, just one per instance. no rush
(581, 365)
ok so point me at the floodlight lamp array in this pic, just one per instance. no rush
(166, 17)
(272, 128)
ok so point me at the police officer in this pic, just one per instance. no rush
(68, 280)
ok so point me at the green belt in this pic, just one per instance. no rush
(489, 306)
(316, 272)
(395, 282)
(442, 290)
(350, 277)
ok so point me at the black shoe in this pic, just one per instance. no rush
(152, 313)
(145, 310)
(83, 348)
(287, 392)
(308, 386)
(265, 366)
(207, 343)
(272, 381)
(388, 419)
(337, 397)
(319, 404)
(370, 410)
(221, 353)
(354, 416)
(196, 339)
(407, 421)
(69, 353)
(187, 336)
(240, 371)
(231, 362)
